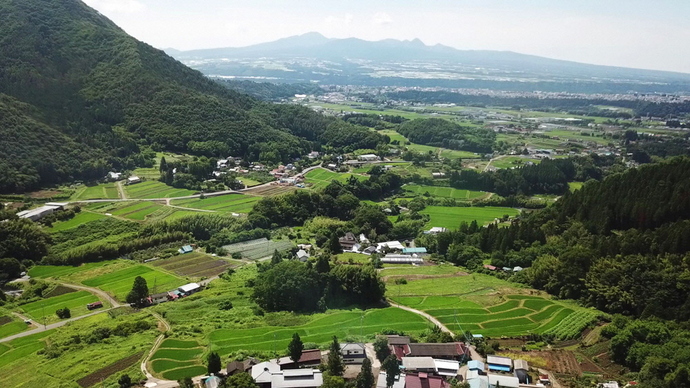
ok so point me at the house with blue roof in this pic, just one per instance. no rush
(186, 249)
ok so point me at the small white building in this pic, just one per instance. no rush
(302, 255)
(435, 230)
(40, 212)
(190, 288)
(114, 176)
(389, 245)
(368, 158)
(133, 179)
(503, 381)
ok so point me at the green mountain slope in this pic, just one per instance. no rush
(105, 91)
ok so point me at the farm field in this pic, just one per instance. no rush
(118, 283)
(456, 154)
(270, 190)
(258, 249)
(101, 191)
(320, 330)
(19, 361)
(486, 305)
(445, 192)
(74, 301)
(578, 135)
(231, 203)
(177, 359)
(451, 217)
(137, 211)
(320, 177)
(154, 189)
(58, 271)
(10, 325)
(81, 218)
(193, 264)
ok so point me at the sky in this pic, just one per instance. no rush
(647, 34)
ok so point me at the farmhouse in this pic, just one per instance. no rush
(423, 380)
(133, 179)
(189, 289)
(268, 375)
(40, 212)
(159, 298)
(236, 367)
(419, 364)
(310, 357)
(353, 353)
(398, 383)
(302, 255)
(500, 364)
(368, 158)
(348, 241)
(445, 351)
(435, 230)
(447, 368)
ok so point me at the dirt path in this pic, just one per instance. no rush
(423, 314)
(104, 295)
(121, 190)
(155, 382)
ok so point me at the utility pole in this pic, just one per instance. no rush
(43, 312)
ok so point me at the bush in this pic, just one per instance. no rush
(225, 305)
(63, 313)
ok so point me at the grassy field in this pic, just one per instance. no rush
(356, 258)
(74, 301)
(118, 283)
(582, 135)
(445, 192)
(513, 161)
(154, 189)
(320, 177)
(193, 264)
(137, 211)
(81, 218)
(101, 191)
(231, 203)
(575, 185)
(451, 217)
(319, 330)
(484, 304)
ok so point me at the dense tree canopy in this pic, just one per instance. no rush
(446, 134)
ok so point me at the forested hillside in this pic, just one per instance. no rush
(443, 133)
(90, 86)
(621, 245)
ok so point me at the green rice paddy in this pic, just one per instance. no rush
(119, 283)
(74, 301)
(231, 203)
(451, 217)
(154, 189)
(444, 192)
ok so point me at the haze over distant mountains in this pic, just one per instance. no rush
(313, 57)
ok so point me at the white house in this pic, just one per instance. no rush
(189, 289)
(133, 179)
(353, 353)
(389, 245)
(115, 176)
(302, 255)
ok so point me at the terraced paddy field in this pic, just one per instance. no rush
(259, 248)
(137, 211)
(231, 203)
(320, 177)
(445, 192)
(154, 189)
(119, 282)
(193, 264)
(102, 191)
(74, 301)
(177, 359)
(451, 217)
(319, 330)
(483, 304)
(82, 217)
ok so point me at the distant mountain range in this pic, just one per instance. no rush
(351, 58)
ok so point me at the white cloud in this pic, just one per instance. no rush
(382, 19)
(340, 21)
(116, 6)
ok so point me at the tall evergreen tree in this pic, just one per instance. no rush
(334, 365)
(390, 366)
(365, 378)
(333, 245)
(276, 258)
(295, 348)
(213, 363)
(381, 348)
(139, 292)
